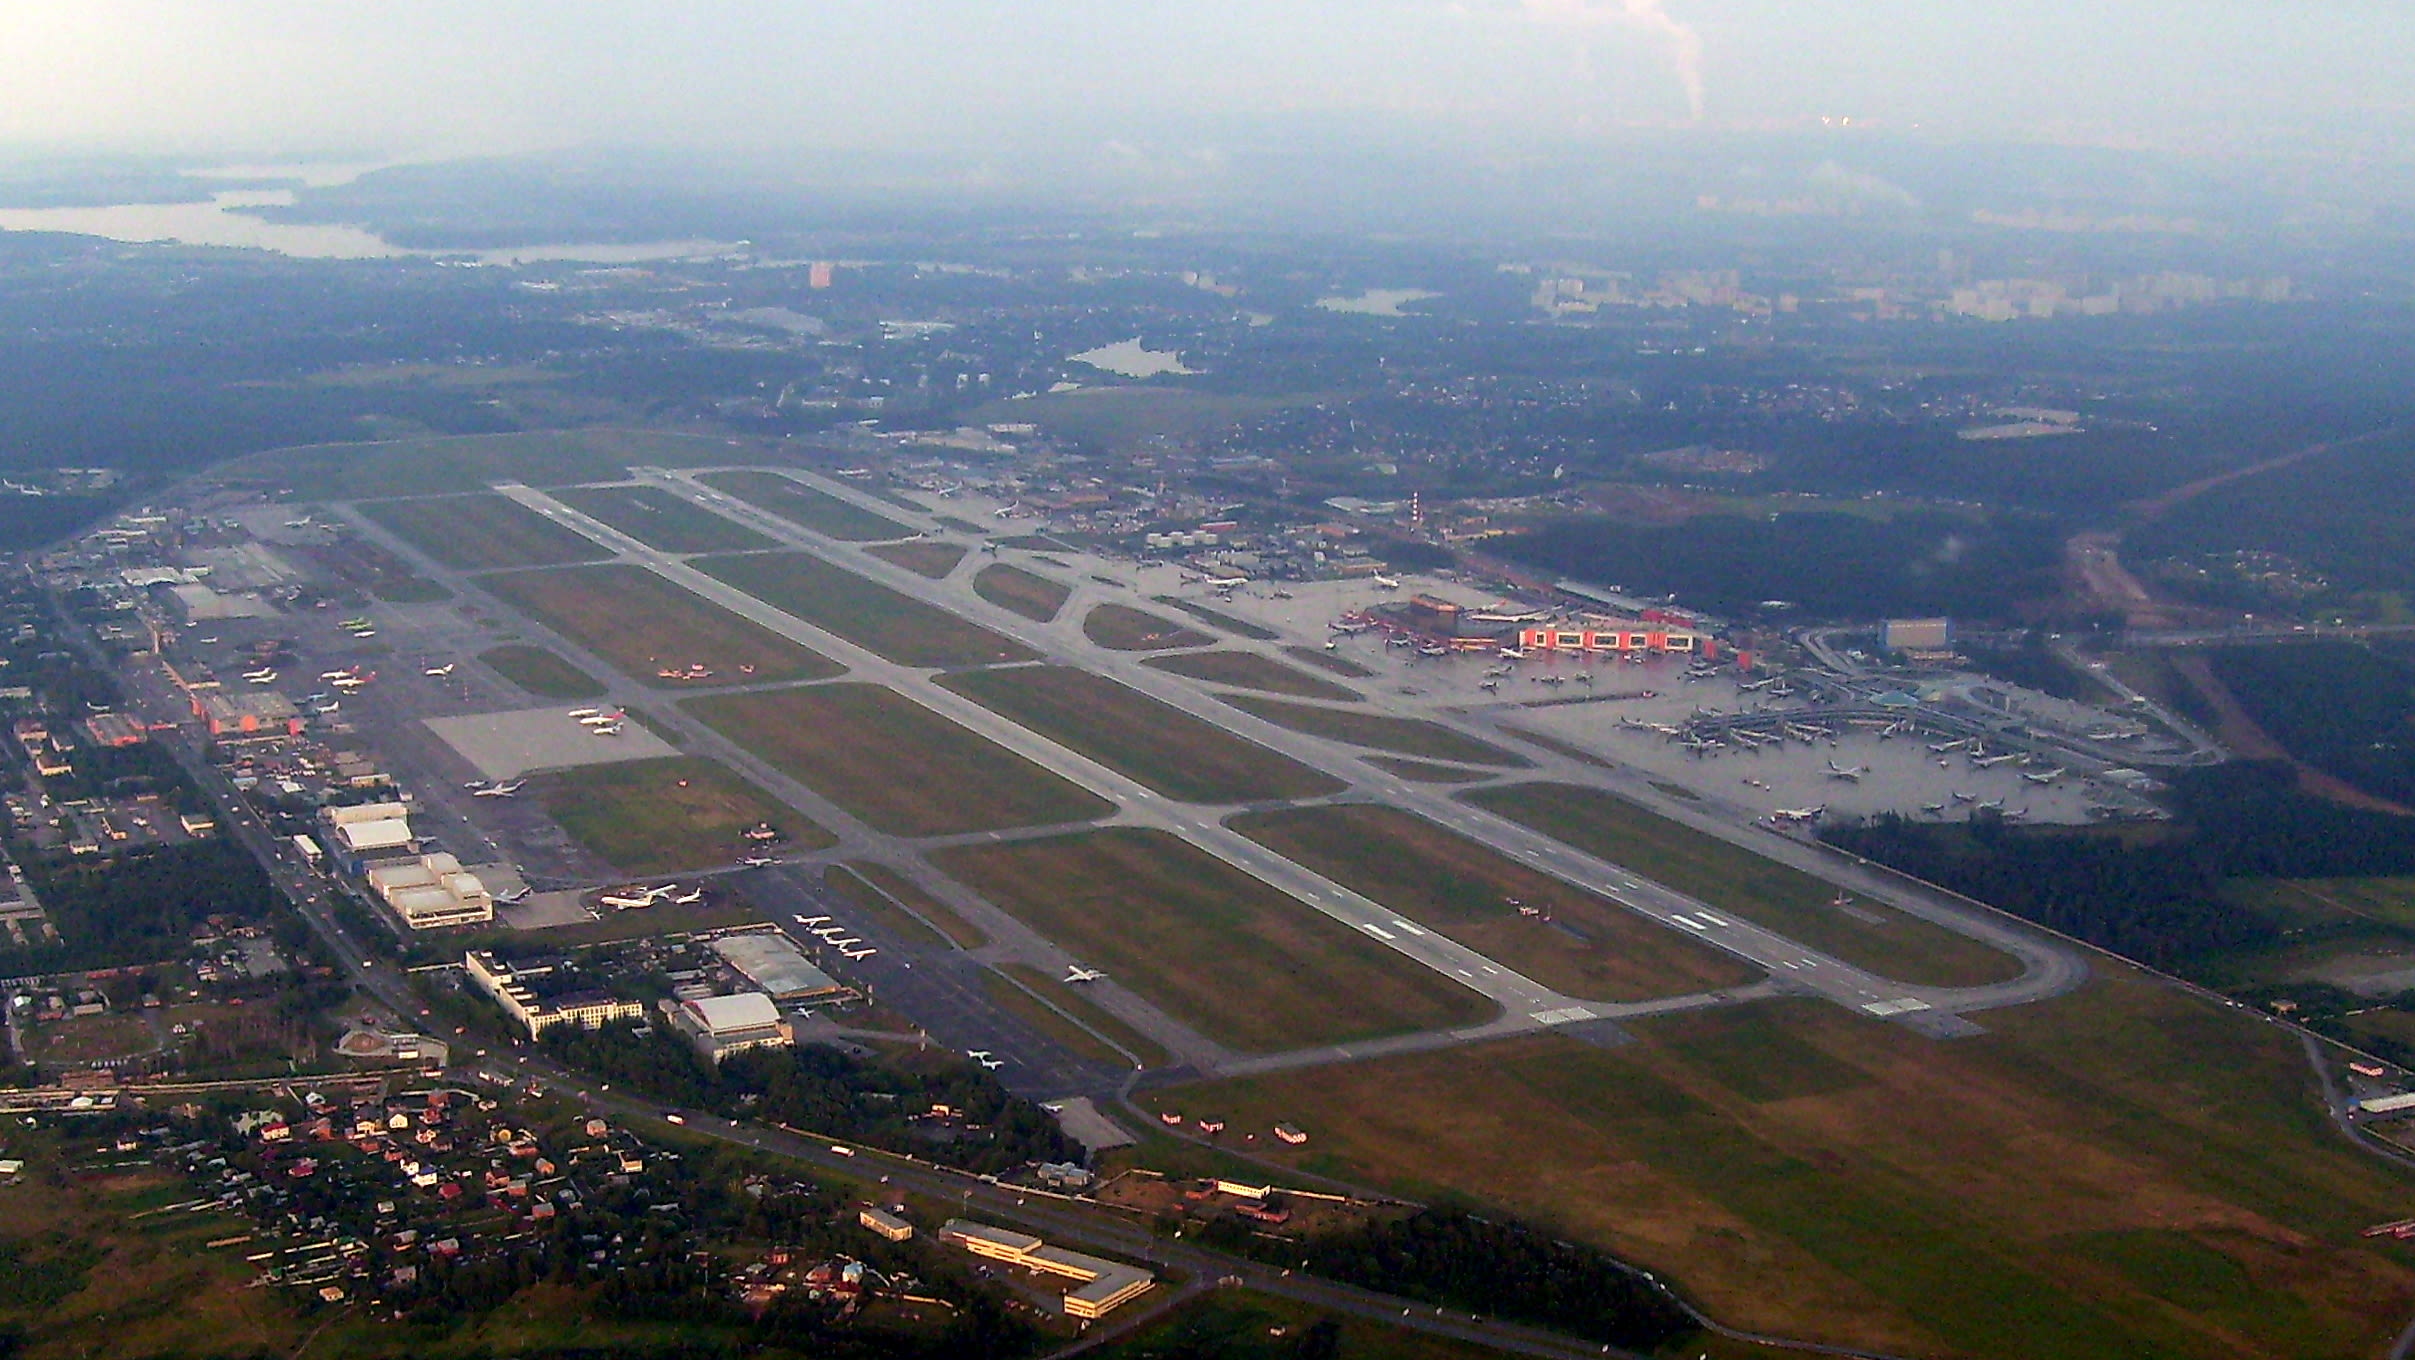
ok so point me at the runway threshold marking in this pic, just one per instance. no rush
(1566, 1015)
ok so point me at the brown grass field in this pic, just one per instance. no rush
(870, 615)
(642, 623)
(1340, 665)
(2119, 1173)
(1732, 878)
(1075, 1000)
(1401, 736)
(1033, 596)
(1170, 751)
(1121, 628)
(647, 817)
(934, 560)
(852, 892)
(806, 507)
(1246, 964)
(481, 531)
(1217, 618)
(426, 464)
(1592, 947)
(1248, 670)
(897, 765)
(658, 519)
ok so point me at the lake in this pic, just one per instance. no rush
(1131, 359)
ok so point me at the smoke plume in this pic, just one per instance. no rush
(1680, 42)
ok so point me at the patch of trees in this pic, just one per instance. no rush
(127, 772)
(2158, 900)
(1833, 565)
(139, 907)
(2343, 708)
(1506, 1269)
(827, 1091)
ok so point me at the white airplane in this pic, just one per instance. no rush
(1077, 973)
(608, 730)
(691, 896)
(261, 677)
(1513, 654)
(828, 933)
(1226, 582)
(1807, 814)
(977, 1054)
(1387, 583)
(813, 920)
(1991, 762)
(631, 899)
(475, 785)
(337, 675)
(2045, 777)
(990, 1064)
(594, 719)
(499, 790)
(853, 955)
(519, 894)
(846, 944)
(1853, 772)
(759, 861)
(445, 669)
(582, 714)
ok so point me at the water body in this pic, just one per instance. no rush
(1376, 301)
(220, 222)
(1131, 359)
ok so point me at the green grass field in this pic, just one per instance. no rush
(1731, 878)
(1121, 628)
(2308, 902)
(1231, 1325)
(541, 672)
(1591, 947)
(658, 519)
(807, 507)
(481, 531)
(1243, 963)
(850, 890)
(897, 765)
(934, 560)
(441, 463)
(647, 817)
(1219, 619)
(1033, 596)
(1170, 751)
(866, 613)
(1401, 736)
(1076, 1000)
(1340, 665)
(2123, 1172)
(644, 624)
(1248, 670)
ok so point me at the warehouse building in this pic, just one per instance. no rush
(431, 891)
(1099, 1286)
(722, 1025)
(769, 961)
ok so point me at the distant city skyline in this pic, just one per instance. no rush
(457, 77)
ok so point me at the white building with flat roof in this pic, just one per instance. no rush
(722, 1025)
(1099, 1286)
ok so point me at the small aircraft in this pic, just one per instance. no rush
(1077, 973)
(443, 670)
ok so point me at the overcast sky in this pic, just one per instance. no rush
(435, 77)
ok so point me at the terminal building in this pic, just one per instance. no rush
(257, 713)
(509, 985)
(722, 1025)
(1098, 1288)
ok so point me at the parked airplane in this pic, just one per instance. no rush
(519, 894)
(498, 790)
(630, 899)
(261, 677)
(990, 1064)
(608, 730)
(1225, 582)
(813, 920)
(1387, 583)
(582, 714)
(857, 955)
(977, 1054)
(2045, 776)
(759, 861)
(1513, 654)
(688, 898)
(1808, 814)
(1077, 973)
(445, 669)
(1853, 772)
(846, 944)
(1960, 797)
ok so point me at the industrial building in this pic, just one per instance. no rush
(886, 1224)
(431, 891)
(722, 1025)
(255, 713)
(508, 985)
(1100, 1286)
(768, 960)
(354, 834)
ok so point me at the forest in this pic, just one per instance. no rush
(2346, 709)
(139, 907)
(824, 1090)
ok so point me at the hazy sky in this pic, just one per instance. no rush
(422, 77)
